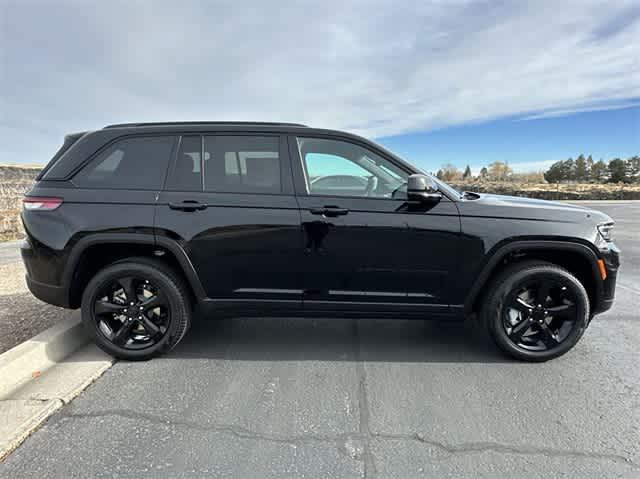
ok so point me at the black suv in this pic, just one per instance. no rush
(141, 225)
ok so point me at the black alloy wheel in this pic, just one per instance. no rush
(132, 312)
(535, 311)
(540, 315)
(137, 308)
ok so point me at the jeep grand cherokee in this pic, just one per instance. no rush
(142, 224)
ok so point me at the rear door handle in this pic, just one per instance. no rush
(331, 211)
(188, 205)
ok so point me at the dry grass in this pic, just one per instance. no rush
(14, 182)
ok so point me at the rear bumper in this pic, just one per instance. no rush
(55, 295)
(49, 293)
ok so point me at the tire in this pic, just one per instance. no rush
(535, 339)
(106, 307)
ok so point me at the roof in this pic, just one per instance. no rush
(204, 123)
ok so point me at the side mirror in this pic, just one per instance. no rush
(421, 188)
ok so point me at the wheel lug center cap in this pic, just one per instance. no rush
(132, 312)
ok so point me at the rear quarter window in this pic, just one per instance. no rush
(132, 163)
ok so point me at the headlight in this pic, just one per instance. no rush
(606, 231)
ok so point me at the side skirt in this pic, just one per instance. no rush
(225, 308)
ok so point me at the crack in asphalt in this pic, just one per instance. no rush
(481, 447)
(233, 430)
(340, 440)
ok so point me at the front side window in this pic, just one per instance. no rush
(133, 163)
(340, 168)
(242, 164)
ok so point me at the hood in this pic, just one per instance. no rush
(530, 208)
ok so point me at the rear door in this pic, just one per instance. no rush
(116, 190)
(365, 246)
(229, 201)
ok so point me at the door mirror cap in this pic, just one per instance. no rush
(423, 189)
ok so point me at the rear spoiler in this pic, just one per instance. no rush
(69, 140)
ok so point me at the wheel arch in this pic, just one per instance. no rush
(95, 251)
(577, 258)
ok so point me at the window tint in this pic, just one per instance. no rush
(133, 163)
(186, 173)
(340, 168)
(244, 164)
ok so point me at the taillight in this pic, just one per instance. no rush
(40, 203)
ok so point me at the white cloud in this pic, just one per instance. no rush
(570, 111)
(531, 166)
(377, 68)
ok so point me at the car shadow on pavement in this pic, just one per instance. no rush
(388, 340)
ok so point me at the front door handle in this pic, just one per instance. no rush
(330, 211)
(188, 205)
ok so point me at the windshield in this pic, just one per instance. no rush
(449, 189)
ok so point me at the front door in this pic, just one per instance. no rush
(365, 246)
(229, 201)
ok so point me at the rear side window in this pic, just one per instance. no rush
(132, 163)
(186, 174)
(243, 164)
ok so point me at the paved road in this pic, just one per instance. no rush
(378, 398)
(9, 252)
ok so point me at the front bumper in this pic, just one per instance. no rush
(607, 287)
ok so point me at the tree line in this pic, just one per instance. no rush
(585, 170)
(580, 170)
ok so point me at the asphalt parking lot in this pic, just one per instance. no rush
(360, 398)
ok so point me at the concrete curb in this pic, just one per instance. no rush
(28, 360)
(43, 374)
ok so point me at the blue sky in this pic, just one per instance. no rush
(526, 144)
(461, 81)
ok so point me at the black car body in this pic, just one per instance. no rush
(230, 209)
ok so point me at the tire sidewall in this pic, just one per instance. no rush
(157, 278)
(495, 311)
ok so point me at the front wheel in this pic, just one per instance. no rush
(536, 311)
(136, 309)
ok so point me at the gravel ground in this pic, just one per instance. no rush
(21, 315)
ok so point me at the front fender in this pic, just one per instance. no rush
(500, 252)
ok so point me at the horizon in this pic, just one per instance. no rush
(463, 83)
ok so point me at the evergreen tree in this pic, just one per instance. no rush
(484, 173)
(569, 170)
(555, 173)
(599, 172)
(467, 173)
(439, 174)
(617, 169)
(580, 172)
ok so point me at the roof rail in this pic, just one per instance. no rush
(178, 123)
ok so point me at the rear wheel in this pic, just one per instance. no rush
(136, 309)
(536, 311)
